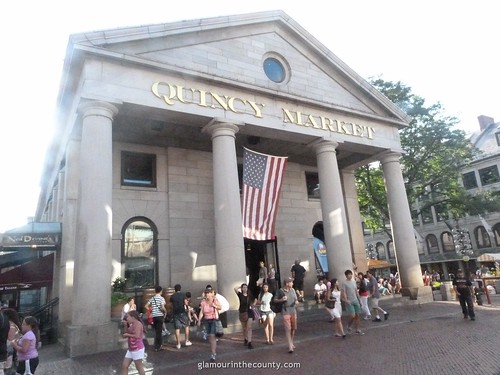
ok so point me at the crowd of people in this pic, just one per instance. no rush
(358, 294)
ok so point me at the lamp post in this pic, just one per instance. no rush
(463, 246)
(371, 252)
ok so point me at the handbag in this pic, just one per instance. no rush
(330, 303)
(254, 313)
(149, 314)
(260, 281)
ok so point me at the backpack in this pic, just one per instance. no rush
(277, 307)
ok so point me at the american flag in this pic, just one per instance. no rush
(262, 177)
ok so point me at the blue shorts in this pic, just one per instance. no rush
(353, 308)
(181, 320)
(209, 326)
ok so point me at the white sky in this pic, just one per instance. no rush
(445, 50)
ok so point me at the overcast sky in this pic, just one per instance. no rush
(446, 51)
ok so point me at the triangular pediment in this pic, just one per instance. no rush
(232, 50)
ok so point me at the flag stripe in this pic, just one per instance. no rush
(262, 179)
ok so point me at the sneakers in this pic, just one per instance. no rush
(212, 357)
(188, 343)
(386, 315)
(178, 346)
(360, 333)
(250, 346)
(245, 342)
(368, 317)
(472, 318)
(377, 320)
(165, 332)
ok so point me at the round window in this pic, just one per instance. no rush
(274, 70)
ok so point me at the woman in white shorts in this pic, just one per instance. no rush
(336, 313)
(267, 315)
(135, 335)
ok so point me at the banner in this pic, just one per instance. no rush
(262, 178)
(320, 253)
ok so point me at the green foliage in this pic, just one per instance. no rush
(118, 284)
(434, 155)
(118, 298)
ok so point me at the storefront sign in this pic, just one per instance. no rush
(31, 240)
(173, 94)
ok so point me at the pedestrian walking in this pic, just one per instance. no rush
(288, 296)
(350, 296)
(209, 313)
(247, 301)
(271, 279)
(363, 295)
(157, 302)
(298, 274)
(135, 341)
(266, 314)
(180, 316)
(463, 289)
(374, 290)
(333, 305)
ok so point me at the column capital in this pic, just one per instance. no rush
(220, 127)
(98, 108)
(390, 157)
(323, 145)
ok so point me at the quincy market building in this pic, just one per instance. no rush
(145, 170)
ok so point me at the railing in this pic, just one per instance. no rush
(47, 322)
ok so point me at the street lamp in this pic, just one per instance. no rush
(371, 252)
(463, 246)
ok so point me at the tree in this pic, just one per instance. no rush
(435, 154)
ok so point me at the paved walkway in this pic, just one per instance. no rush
(430, 339)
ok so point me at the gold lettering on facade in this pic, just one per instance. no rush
(171, 94)
(327, 124)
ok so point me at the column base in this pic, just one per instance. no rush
(83, 340)
(421, 294)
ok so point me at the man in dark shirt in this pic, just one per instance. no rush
(298, 273)
(181, 319)
(463, 288)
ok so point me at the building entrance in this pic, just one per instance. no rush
(255, 252)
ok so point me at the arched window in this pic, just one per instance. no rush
(390, 249)
(482, 237)
(432, 244)
(139, 253)
(380, 248)
(447, 241)
(496, 234)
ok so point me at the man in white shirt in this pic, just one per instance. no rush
(320, 291)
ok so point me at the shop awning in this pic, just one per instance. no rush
(377, 263)
(34, 236)
(31, 275)
(489, 257)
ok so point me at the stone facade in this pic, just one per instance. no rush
(177, 103)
